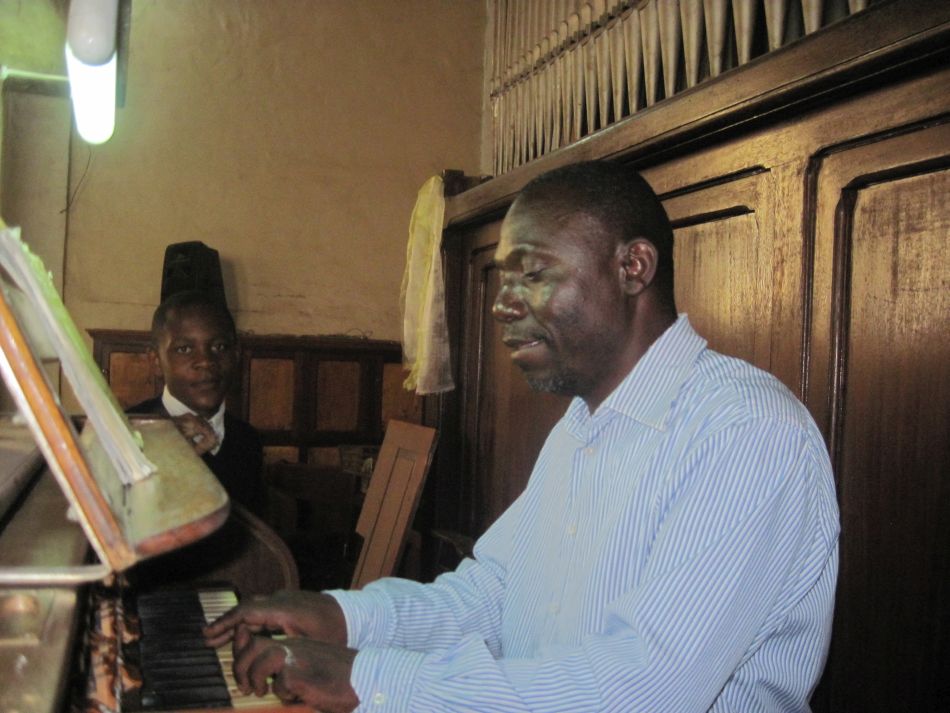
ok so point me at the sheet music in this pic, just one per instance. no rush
(44, 315)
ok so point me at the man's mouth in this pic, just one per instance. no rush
(207, 385)
(521, 346)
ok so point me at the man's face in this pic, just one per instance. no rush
(561, 302)
(197, 356)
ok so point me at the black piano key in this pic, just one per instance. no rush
(214, 696)
(184, 658)
(183, 672)
(178, 669)
(164, 645)
(162, 685)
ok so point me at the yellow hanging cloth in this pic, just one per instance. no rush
(425, 343)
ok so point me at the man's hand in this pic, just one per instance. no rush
(197, 431)
(312, 615)
(312, 672)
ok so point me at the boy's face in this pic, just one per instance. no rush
(197, 355)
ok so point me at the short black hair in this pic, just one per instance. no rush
(614, 195)
(188, 299)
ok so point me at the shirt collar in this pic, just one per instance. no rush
(177, 408)
(647, 392)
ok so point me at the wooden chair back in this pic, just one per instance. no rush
(392, 498)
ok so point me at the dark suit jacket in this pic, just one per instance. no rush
(237, 464)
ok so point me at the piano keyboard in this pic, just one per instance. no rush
(179, 671)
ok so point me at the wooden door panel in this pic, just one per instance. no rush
(505, 422)
(722, 258)
(880, 384)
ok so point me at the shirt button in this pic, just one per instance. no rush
(379, 699)
(572, 530)
(554, 608)
(589, 450)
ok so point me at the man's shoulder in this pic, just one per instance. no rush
(745, 390)
(240, 433)
(238, 424)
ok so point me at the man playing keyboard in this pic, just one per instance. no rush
(674, 550)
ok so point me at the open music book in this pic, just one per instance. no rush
(137, 491)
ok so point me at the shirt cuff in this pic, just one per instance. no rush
(367, 617)
(384, 679)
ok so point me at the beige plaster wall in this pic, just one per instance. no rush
(290, 135)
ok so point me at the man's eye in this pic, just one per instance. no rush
(183, 349)
(533, 275)
(221, 347)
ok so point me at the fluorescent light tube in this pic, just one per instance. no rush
(91, 66)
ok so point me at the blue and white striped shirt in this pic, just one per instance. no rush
(676, 551)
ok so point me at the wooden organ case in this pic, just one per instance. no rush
(79, 509)
(808, 190)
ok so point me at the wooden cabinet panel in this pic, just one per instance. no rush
(134, 377)
(812, 241)
(724, 252)
(881, 387)
(337, 396)
(306, 395)
(722, 258)
(271, 394)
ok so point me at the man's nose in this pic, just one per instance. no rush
(508, 305)
(205, 358)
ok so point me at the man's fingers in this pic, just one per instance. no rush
(265, 659)
(197, 431)
(242, 637)
(280, 688)
(221, 630)
(229, 625)
(243, 658)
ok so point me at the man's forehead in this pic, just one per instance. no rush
(196, 318)
(535, 230)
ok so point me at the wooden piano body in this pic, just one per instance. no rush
(46, 562)
(78, 510)
(38, 624)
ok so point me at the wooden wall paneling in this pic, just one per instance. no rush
(397, 403)
(121, 356)
(278, 454)
(134, 376)
(791, 266)
(784, 149)
(337, 396)
(880, 385)
(723, 238)
(484, 384)
(371, 398)
(270, 393)
(846, 132)
(280, 389)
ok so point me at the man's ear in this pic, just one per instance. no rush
(638, 261)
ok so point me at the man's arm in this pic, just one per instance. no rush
(739, 583)
(404, 614)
